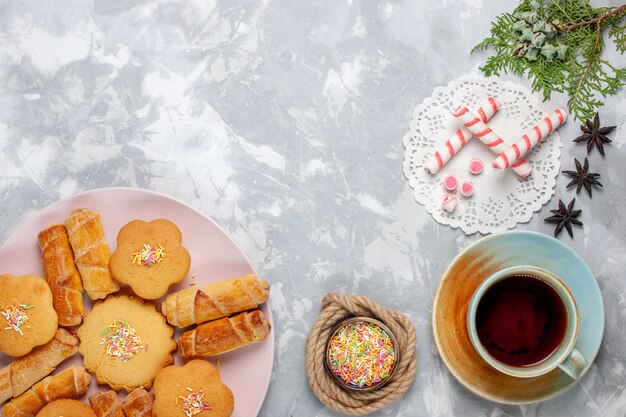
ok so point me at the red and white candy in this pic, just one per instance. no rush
(454, 144)
(467, 189)
(487, 136)
(450, 183)
(530, 139)
(449, 203)
(476, 166)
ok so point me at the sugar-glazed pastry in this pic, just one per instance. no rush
(125, 342)
(215, 300)
(138, 403)
(91, 252)
(27, 317)
(24, 372)
(194, 389)
(223, 335)
(106, 404)
(72, 383)
(62, 276)
(150, 257)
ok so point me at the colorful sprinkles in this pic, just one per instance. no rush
(121, 341)
(361, 354)
(193, 403)
(149, 255)
(16, 317)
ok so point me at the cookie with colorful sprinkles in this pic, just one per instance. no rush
(125, 342)
(27, 317)
(192, 390)
(150, 257)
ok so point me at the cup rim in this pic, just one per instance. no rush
(552, 361)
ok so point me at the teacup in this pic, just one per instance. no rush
(523, 321)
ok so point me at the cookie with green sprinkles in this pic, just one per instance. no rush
(125, 342)
(27, 317)
(150, 257)
(192, 390)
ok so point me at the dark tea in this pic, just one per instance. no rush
(521, 320)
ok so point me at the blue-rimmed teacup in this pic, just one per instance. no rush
(563, 356)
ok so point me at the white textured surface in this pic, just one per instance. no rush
(283, 121)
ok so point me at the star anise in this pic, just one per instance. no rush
(595, 135)
(582, 177)
(565, 217)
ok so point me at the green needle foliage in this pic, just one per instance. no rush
(558, 44)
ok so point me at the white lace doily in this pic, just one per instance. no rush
(501, 199)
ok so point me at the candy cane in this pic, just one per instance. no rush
(489, 138)
(454, 144)
(530, 139)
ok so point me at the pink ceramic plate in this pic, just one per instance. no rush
(214, 256)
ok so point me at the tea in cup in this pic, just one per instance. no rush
(523, 321)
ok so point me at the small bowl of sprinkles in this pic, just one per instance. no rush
(361, 354)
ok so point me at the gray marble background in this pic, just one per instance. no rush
(283, 121)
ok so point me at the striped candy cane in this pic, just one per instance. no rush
(489, 138)
(530, 139)
(454, 144)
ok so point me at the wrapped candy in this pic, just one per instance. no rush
(449, 203)
(454, 144)
(530, 139)
(489, 138)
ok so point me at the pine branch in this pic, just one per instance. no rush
(559, 46)
(618, 33)
(599, 19)
(591, 59)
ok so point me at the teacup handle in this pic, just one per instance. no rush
(574, 364)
